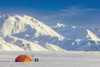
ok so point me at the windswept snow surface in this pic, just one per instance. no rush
(53, 59)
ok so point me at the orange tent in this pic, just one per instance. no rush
(23, 58)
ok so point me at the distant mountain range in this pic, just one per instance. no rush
(79, 38)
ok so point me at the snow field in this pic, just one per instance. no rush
(53, 59)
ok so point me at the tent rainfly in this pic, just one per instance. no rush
(23, 58)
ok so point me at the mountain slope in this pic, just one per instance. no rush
(4, 46)
(92, 36)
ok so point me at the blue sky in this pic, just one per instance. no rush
(69, 12)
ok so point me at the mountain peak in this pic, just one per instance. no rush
(92, 36)
(17, 24)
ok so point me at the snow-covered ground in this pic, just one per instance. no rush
(53, 59)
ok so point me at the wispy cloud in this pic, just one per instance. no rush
(74, 11)
(69, 12)
(90, 9)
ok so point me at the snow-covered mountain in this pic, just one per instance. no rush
(27, 33)
(20, 33)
